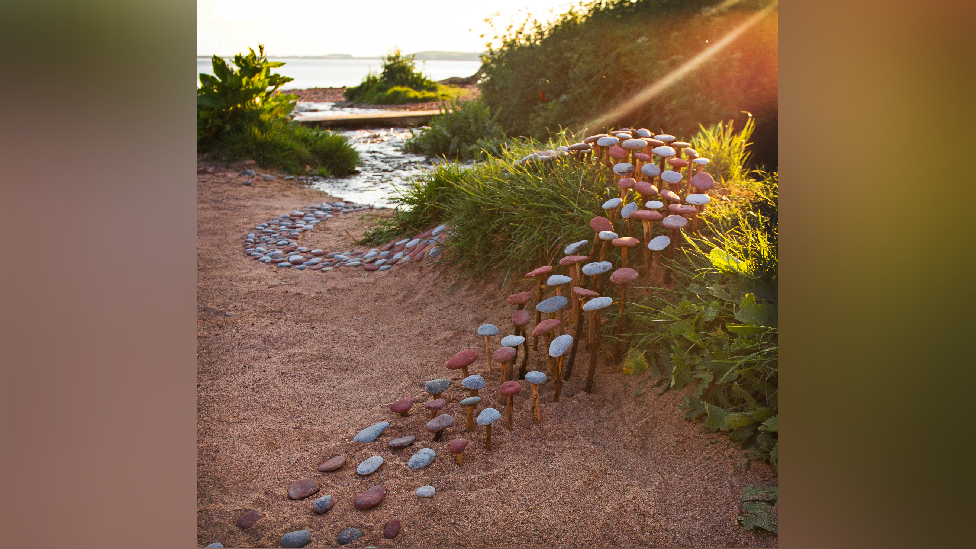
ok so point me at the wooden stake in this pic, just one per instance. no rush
(535, 403)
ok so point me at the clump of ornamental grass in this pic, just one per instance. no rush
(397, 83)
(465, 130)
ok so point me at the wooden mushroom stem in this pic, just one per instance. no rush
(508, 413)
(576, 338)
(535, 403)
(487, 352)
(620, 322)
(558, 379)
(460, 459)
(595, 344)
(647, 238)
(488, 437)
(538, 313)
(469, 424)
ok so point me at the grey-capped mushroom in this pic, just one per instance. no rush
(593, 307)
(557, 349)
(574, 247)
(486, 418)
(553, 305)
(611, 207)
(469, 403)
(606, 236)
(487, 330)
(535, 378)
(437, 386)
(512, 341)
(473, 384)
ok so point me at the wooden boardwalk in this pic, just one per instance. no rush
(379, 119)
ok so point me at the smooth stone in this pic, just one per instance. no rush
(392, 528)
(552, 304)
(300, 267)
(413, 243)
(398, 255)
(473, 381)
(405, 260)
(370, 498)
(372, 432)
(284, 265)
(654, 204)
(247, 183)
(628, 209)
(402, 242)
(298, 538)
(574, 247)
(556, 280)
(471, 401)
(440, 422)
(425, 491)
(599, 267)
(249, 518)
(612, 203)
(434, 252)
(379, 262)
(349, 535)
(301, 489)
(512, 341)
(608, 235)
(560, 345)
(332, 463)
(401, 442)
(658, 243)
(437, 230)
(437, 386)
(323, 504)
(597, 303)
(371, 267)
(384, 253)
(370, 465)
(421, 459)
(214, 544)
(488, 330)
(535, 377)
(386, 267)
(488, 415)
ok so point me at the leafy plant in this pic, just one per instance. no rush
(463, 131)
(758, 503)
(398, 82)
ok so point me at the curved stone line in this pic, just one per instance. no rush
(275, 242)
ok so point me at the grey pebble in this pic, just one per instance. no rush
(488, 415)
(437, 230)
(535, 377)
(370, 465)
(323, 504)
(473, 381)
(512, 341)
(215, 544)
(425, 491)
(552, 304)
(597, 303)
(488, 330)
(386, 267)
(349, 535)
(599, 267)
(298, 538)
(560, 345)
(437, 386)
(471, 401)
(422, 459)
(372, 432)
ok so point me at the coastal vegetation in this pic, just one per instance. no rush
(240, 115)
(465, 130)
(399, 82)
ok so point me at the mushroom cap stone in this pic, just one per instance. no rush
(488, 330)
(612, 203)
(437, 386)
(626, 183)
(617, 152)
(440, 422)
(473, 382)
(579, 147)
(650, 170)
(674, 222)
(435, 404)
(654, 204)
(664, 137)
(642, 156)
(683, 209)
(543, 270)
(599, 267)
(521, 297)
(371, 433)
(647, 215)
(560, 345)
(470, 401)
(488, 415)
(678, 162)
(663, 151)
(658, 243)
(623, 275)
(607, 141)
(573, 259)
(702, 181)
(608, 235)
(593, 138)
(597, 303)
(520, 317)
(645, 188)
(633, 144)
(628, 209)
(402, 405)
(698, 199)
(552, 304)
(458, 445)
(670, 177)
(701, 161)
(510, 388)
(651, 142)
(463, 358)
(556, 280)
(643, 132)
(628, 241)
(623, 168)
(600, 223)
(574, 247)
(583, 292)
(534, 377)
(503, 354)
(512, 340)
(690, 153)
(544, 326)
(671, 196)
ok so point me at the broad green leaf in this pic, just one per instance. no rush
(771, 424)
(751, 312)
(728, 263)
(634, 362)
(720, 292)
(716, 418)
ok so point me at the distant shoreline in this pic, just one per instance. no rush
(419, 56)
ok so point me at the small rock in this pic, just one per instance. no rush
(437, 386)
(370, 465)
(392, 528)
(298, 538)
(349, 535)
(249, 518)
(215, 544)
(372, 432)
(425, 491)
(301, 489)
(248, 172)
(370, 498)
(401, 442)
(421, 459)
(322, 504)
(246, 183)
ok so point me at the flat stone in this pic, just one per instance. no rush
(369, 465)
(473, 382)
(386, 267)
(298, 538)
(401, 442)
(488, 415)
(544, 326)
(552, 304)
(402, 406)
(608, 235)
(574, 247)
(370, 498)
(658, 243)
(301, 489)
(437, 230)
(371, 267)
(470, 401)
(214, 544)
(612, 203)
(349, 535)
(249, 518)
(440, 423)
(599, 267)
(437, 386)
(465, 357)
(332, 463)
(597, 303)
(322, 504)
(503, 354)
(412, 243)
(623, 275)
(421, 459)
(392, 528)
(372, 432)
(628, 209)
(512, 340)
(521, 317)
(487, 330)
(560, 345)
(535, 377)
(425, 492)
(600, 223)
(510, 388)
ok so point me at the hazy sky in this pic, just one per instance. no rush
(357, 27)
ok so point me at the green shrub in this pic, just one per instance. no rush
(398, 83)
(464, 131)
(240, 116)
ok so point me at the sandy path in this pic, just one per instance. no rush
(308, 359)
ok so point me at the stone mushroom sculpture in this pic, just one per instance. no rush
(624, 244)
(557, 349)
(435, 406)
(536, 378)
(574, 247)
(520, 299)
(657, 244)
(437, 386)
(539, 273)
(625, 213)
(606, 236)
(663, 153)
(463, 359)
(438, 424)
(611, 207)
(554, 304)
(594, 306)
(486, 418)
(702, 181)
(473, 384)
(575, 263)
(621, 277)
(519, 319)
(469, 403)
(646, 190)
(672, 178)
(675, 223)
(457, 448)
(596, 270)
(698, 200)
(505, 356)
(647, 218)
(583, 294)
(402, 406)
(598, 224)
(625, 184)
(509, 389)
(487, 330)
(651, 171)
